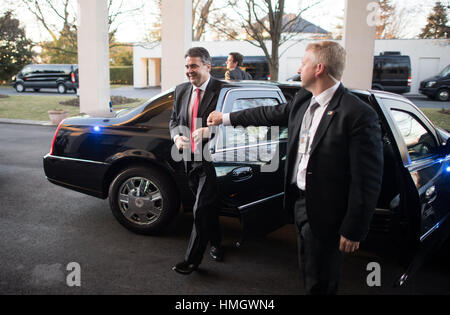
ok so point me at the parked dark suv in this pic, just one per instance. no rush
(63, 77)
(392, 72)
(438, 86)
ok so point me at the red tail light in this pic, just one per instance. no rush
(409, 81)
(54, 137)
(72, 77)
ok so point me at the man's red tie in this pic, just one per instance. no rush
(194, 118)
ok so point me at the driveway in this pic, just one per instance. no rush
(44, 228)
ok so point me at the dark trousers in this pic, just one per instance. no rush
(319, 259)
(206, 228)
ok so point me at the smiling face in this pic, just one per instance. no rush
(196, 71)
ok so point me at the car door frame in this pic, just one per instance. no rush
(256, 216)
(416, 197)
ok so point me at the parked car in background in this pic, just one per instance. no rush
(257, 66)
(392, 72)
(129, 159)
(63, 77)
(437, 87)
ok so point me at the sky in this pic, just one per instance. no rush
(133, 27)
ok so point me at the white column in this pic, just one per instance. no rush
(93, 57)
(154, 72)
(359, 42)
(176, 40)
(140, 73)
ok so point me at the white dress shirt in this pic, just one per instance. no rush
(323, 99)
(191, 102)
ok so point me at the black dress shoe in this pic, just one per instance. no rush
(185, 267)
(216, 253)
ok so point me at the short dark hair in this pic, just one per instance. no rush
(199, 52)
(237, 57)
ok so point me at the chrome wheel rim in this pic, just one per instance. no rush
(61, 88)
(443, 95)
(19, 88)
(140, 201)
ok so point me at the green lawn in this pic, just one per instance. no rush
(36, 107)
(439, 119)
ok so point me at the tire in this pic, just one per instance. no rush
(442, 95)
(61, 88)
(20, 87)
(150, 213)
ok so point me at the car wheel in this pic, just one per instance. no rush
(144, 200)
(61, 88)
(442, 95)
(20, 88)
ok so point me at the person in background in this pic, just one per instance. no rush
(234, 72)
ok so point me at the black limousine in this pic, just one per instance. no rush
(129, 159)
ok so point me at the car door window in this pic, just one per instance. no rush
(238, 136)
(418, 140)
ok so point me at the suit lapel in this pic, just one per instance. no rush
(327, 117)
(186, 99)
(210, 92)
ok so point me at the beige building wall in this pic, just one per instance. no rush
(176, 40)
(93, 57)
(359, 42)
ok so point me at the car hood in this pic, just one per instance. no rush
(433, 78)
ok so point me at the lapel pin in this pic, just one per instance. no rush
(330, 113)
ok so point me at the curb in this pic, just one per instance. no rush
(26, 122)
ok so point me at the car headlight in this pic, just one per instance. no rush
(431, 84)
(13, 78)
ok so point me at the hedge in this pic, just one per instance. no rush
(121, 75)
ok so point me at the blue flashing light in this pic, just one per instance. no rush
(96, 128)
(447, 169)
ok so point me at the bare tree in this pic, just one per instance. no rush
(263, 21)
(58, 18)
(200, 13)
(394, 21)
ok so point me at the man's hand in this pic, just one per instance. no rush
(182, 143)
(348, 246)
(214, 119)
(201, 133)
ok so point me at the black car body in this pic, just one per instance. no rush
(437, 87)
(130, 159)
(392, 72)
(62, 77)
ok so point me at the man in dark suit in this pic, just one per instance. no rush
(234, 72)
(193, 102)
(333, 166)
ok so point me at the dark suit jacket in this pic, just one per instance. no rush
(239, 74)
(345, 167)
(179, 120)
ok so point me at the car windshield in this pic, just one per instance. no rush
(445, 72)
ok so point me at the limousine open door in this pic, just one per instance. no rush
(249, 163)
(418, 163)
